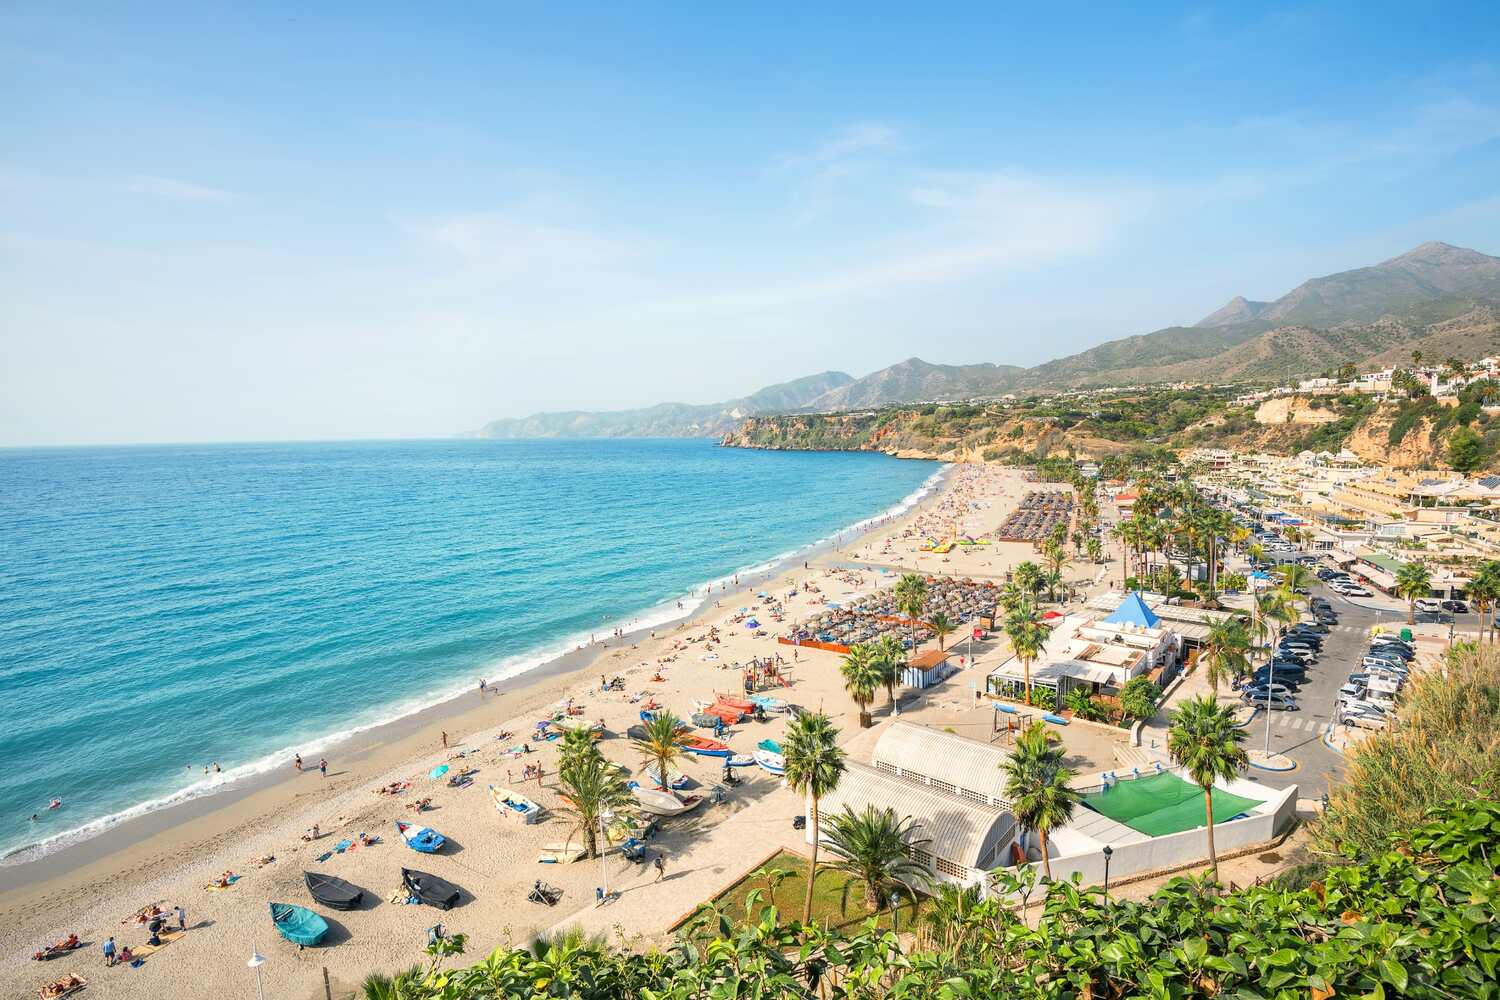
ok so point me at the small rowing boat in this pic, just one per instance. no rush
(768, 704)
(332, 892)
(511, 803)
(298, 924)
(678, 782)
(772, 763)
(770, 745)
(660, 803)
(739, 703)
(430, 889)
(703, 746)
(420, 838)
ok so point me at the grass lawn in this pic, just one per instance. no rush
(828, 896)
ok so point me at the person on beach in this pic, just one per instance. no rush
(661, 868)
(181, 918)
(323, 766)
(297, 762)
(445, 739)
(539, 772)
(109, 952)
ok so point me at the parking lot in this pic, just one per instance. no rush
(1299, 734)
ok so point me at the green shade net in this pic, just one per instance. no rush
(1163, 803)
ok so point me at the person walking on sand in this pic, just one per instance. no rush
(539, 770)
(297, 762)
(323, 766)
(181, 918)
(445, 739)
(661, 868)
(482, 687)
(109, 952)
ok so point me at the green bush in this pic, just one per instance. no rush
(1138, 698)
(1419, 920)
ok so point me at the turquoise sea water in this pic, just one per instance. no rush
(165, 607)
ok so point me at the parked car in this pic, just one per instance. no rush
(1456, 606)
(1365, 719)
(1311, 627)
(1259, 691)
(1283, 672)
(1427, 604)
(1357, 592)
(1275, 702)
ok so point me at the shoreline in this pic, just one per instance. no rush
(258, 838)
(385, 744)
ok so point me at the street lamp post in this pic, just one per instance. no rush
(1108, 853)
(256, 961)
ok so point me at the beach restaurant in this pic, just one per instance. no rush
(1098, 654)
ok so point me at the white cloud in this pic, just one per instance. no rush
(966, 225)
(502, 245)
(177, 190)
(851, 141)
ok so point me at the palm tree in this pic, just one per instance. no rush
(1484, 590)
(861, 677)
(1095, 548)
(1295, 577)
(1416, 359)
(1272, 611)
(814, 764)
(1413, 581)
(942, 627)
(1036, 781)
(404, 985)
(947, 918)
(911, 597)
(911, 601)
(1056, 557)
(1053, 579)
(890, 657)
(1028, 576)
(875, 849)
(575, 746)
(1224, 652)
(660, 744)
(593, 787)
(1027, 638)
(1204, 740)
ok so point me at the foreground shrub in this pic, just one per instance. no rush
(1416, 921)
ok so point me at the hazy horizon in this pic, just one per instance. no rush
(358, 223)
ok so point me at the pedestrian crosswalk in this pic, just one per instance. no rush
(1292, 720)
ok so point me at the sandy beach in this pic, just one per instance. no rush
(169, 860)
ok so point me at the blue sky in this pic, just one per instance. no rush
(252, 222)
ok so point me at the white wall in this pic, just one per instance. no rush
(1188, 847)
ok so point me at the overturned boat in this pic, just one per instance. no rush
(332, 892)
(430, 889)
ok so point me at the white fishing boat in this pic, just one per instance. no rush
(511, 803)
(660, 803)
(770, 761)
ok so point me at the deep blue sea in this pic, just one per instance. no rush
(165, 607)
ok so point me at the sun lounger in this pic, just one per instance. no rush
(61, 987)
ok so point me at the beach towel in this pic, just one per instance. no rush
(325, 855)
(167, 937)
(216, 887)
(343, 846)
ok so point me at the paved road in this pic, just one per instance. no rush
(1299, 734)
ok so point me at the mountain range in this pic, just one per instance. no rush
(1440, 299)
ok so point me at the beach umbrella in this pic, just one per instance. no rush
(438, 771)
